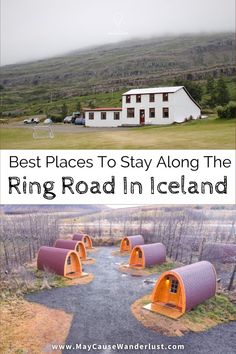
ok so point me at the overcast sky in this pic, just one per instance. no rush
(32, 29)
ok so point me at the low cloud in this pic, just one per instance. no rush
(33, 29)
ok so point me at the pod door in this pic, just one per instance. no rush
(137, 258)
(72, 266)
(167, 298)
(125, 245)
(80, 249)
(87, 241)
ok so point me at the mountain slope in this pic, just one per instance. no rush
(117, 66)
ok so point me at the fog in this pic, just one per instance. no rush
(35, 29)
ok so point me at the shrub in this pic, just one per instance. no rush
(231, 110)
(221, 112)
(227, 112)
(56, 118)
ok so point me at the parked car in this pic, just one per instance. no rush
(80, 121)
(31, 121)
(48, 121)
(74, 116)
(68, 119)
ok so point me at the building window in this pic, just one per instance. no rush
(138, 98)
(140, 254)
(130, 113)
(165, 112)
(116, 115)
(165, 97)
(69, 261)
(174, 286)
(103, 115)
(128, 99)
(152, 97)
(151, 112)
(91, 115)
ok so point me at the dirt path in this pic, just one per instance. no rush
(102, 315)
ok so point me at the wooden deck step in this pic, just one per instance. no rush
(164, 309)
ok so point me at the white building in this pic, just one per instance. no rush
(163, 105)
(103, 117)
(151, 106)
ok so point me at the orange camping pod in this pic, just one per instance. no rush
(147, 255)
(86, 239)
(129, 242)
(180, 290)
(77, 246)
(61, 261)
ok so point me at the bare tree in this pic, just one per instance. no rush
(231, 282)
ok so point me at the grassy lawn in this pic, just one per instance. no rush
(209, 133)
(218, 309)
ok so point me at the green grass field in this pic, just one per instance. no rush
(211, 133)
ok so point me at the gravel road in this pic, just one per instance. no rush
(65, 128)
(101, 313)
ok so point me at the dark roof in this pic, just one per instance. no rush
(154, 253)
(66, 244)
(135, 240)
(199, 281)
(52, 259)
(78, 237)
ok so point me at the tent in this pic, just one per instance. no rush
(129, 242)
(61, 261)
(86, 239)
(77, 246)
(180, 290)
(147, 255)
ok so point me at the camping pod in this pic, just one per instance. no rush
(61, 261)
(77, 246)
(129, 242)
(180, 290)
(86, 239)
(147, 255)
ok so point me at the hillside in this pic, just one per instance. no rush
(77, 209)
(110, 68)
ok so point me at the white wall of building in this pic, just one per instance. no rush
(184, 107)
(98, 122)
(146, 105)
(179, 103)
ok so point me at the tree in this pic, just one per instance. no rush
(221, 92)
(193, 88)
(230, 286)
(78, 106)
(210, 85)
(228, 111)
(64, 110)
(92, 104)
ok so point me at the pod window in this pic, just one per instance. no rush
(174, 286)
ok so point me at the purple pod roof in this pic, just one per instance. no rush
(84, 238)
(199, 282)
(154, 253)
(53, 259)
(66, 244)
(135, 240)
(78, 237)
